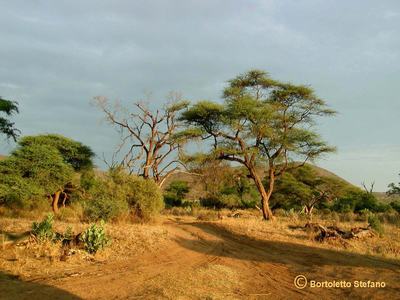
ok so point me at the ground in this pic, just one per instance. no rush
(185, 258)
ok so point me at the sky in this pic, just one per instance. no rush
(55, 56)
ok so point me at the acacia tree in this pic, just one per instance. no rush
(262, 122)
(43, 165)
(393, 189)
(304, 187)
(33, 171)
(149, 144)
(6, 126)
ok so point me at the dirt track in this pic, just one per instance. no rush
(204, 261)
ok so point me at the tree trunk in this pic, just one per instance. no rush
(308, 210)
(54, 204)
(266, 211)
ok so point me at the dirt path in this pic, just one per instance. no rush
(204, 261)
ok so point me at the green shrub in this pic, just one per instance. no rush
(375, 224)
(230, 201)
(44, 230)
(145, 198)
(395, 205)
(105, 206)
(68, 234)
(171, 200)
(94, 238)
(343, 205)
(211, 202)
(249, 201)
(116, 193)
(105, 199)
(356, 201)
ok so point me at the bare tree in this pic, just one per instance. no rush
(150, 143)
(371, 189)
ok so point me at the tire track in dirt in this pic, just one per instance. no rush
(265, 269)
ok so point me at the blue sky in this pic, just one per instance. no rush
(57, 55)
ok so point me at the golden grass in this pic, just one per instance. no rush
(31, 259)
(283, 229)
(209, 281)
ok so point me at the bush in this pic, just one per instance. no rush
(249, 202)
(145, 198)
(117, 193)
(106, 200)
(375, 224)
(356, 201)
(211, 202)
(94, 238)
(344, 205)
(171, 200)
(105, 206)
(395, 205)
(230, 201)
(44, 230)
(175, 193)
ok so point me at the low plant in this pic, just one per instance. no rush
(94, 238)
(44, 230)
(375, 224)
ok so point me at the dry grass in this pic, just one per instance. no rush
(31, 259)
(284, 229)
(210, 281)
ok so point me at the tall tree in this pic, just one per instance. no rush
(262, 122)
(149, 142)
(8, 108)
(304, 187)
(47, 165)
(393, 189)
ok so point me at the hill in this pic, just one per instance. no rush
(197, 187)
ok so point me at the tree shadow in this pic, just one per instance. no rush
(13, 288)
(295, 256)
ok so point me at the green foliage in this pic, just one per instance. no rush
(68, 234)
(304, 187)
(116, 192)
(105, 204)
(212, 202)
(106, 199)
(345, 204)
(95, 238)
(7, 127)
(73, 153)
(375, 224)
(261, 121)
(179, 188)
(145, 198)
(358, 201)
(17, 192)
(44, 230)
(31, 172)
(230, 201)
(175, 193)
(395, 205)
(40, 166)
(393, 189)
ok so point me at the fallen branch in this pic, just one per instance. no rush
(333, 232)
